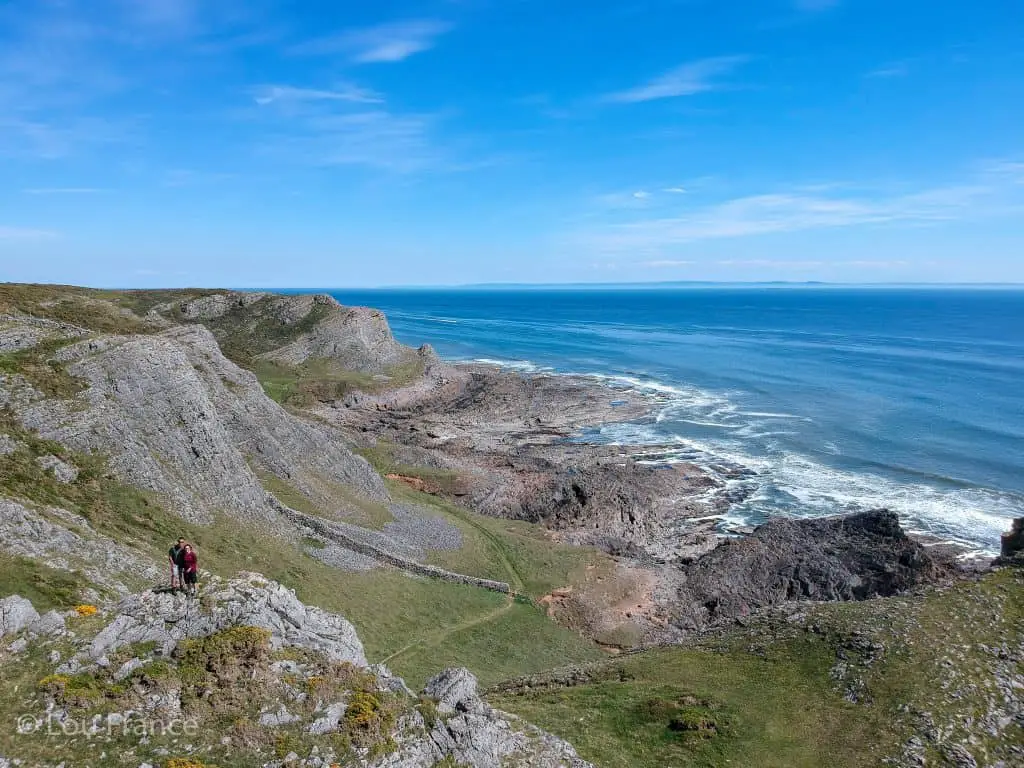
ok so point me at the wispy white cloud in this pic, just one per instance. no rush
(373, 138)
(269, 94)
(992, 191)
(22, 233)
(686, 80)
(894, 69)
(641, 194)
(674, 190)
(63, 191)
(394, 41)
(664, 263)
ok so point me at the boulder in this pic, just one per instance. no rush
(16, 613)
(454, 690)
(1013, 542)
(851, 557)
(64, 472)
(50, 623)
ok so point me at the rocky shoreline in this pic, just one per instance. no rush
(297, 426)
(514, 442)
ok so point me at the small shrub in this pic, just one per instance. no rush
(363, 710)
(657, 709)
(54, 683)
(428, 708)
(222, 668)
(80, 690)
(285, 743)
(153, 672)
(694, 720)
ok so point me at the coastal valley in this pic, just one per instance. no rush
(406, 562)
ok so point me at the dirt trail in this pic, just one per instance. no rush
(436, 638)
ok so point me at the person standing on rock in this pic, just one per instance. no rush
(190, 569)
(176, 556)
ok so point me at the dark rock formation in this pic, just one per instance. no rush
(854, 557)
(1012, 549)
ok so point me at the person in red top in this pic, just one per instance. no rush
(190, 569)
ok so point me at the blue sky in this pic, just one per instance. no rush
(265, 143)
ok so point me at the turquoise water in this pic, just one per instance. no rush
(833, 399)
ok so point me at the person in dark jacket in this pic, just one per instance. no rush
(176, 556)
(190, 569)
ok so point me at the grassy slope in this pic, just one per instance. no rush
(771, 691)
(774, 711)
(392, 611)
(772, 701)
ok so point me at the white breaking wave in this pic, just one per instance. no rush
(523, 366)
(780, 482)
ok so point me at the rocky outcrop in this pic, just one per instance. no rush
(20, 332)
(212, 306)
(475, 734)
(1012, 545)
(177, 418)
(309, 327)
(358, 338)
(66, 541)
(249, 600)
(854, 557)
(517, 447)
(249, 646)
(16, 613)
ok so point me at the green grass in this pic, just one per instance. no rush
(46, 376)
(324, 380)
(778, 711)
(46, 587)
(508, 550)
(142, 301)
(245, 333)
(342, 503)
(70, 304)
(769, 687)
(520, 641)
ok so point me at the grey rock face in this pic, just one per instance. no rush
(471, 733)
(216, 305)
(836, 558)
(7, 445)
(50, 623)
(276, 719)
(180, 419)
(357, 337)
(328, 721)
(249, 600)
(63, 471)
(65, 540)
(16, 613)
(19, 332)
(454, 690)
(478, 735)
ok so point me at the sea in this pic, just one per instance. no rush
(806, 400)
